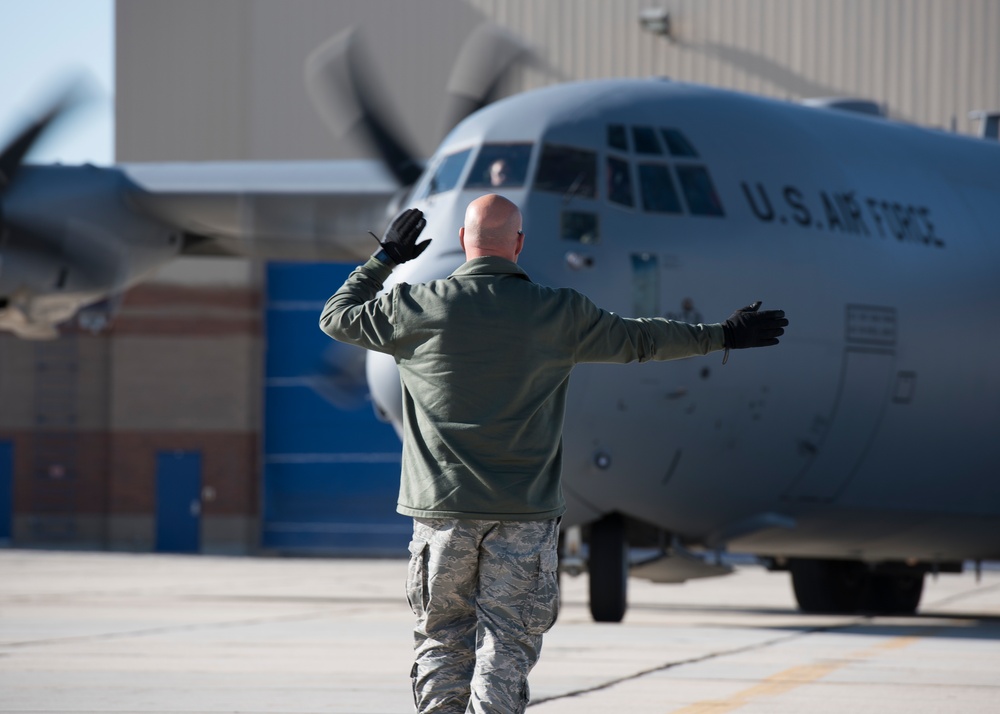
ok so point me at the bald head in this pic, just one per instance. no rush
(492, 227)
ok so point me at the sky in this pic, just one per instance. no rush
(47, 45)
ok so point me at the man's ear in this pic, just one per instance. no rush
(520, 244)
(461, 237)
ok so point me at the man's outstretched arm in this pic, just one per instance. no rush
(353, 314)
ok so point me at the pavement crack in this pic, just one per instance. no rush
(694, 660)
(749, 648)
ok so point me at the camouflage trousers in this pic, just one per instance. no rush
(484, 593)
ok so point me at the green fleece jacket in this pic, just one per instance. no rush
(485, 357)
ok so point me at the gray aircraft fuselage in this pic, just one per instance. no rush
(868, 432)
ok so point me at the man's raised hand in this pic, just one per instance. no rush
(400, 239)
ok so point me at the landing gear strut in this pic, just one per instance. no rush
(608, 566)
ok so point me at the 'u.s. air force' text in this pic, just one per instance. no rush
(846, 212)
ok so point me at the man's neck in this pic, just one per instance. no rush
(473, 254)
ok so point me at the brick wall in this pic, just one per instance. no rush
(179, 370)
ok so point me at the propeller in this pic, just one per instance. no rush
(43, 235)
(486, 58)
(12, 158)
(344, 90)
(339, 81)
(13, 154)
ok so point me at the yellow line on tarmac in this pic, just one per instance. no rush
(791, 678)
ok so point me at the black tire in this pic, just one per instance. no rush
(847, 586)
(894, 593)
(829, 586)
(608, 567)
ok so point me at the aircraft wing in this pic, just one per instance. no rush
(305, 210)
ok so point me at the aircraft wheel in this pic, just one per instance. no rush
(608, 566)
(847, 586)
(828, 586)
(894, 594)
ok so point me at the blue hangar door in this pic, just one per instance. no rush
(331, 468)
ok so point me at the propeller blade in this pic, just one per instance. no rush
(341, 85)
(487, 56)
(13, 154)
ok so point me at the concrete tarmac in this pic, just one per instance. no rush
(106, 632)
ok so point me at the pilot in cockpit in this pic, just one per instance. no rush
(500, 165)
(498, 173)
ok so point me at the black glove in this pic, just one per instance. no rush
(399, 244)
(749, 328)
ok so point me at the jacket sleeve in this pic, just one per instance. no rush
(356, 314)
(603, 336)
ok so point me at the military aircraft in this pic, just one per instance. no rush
(858, 454)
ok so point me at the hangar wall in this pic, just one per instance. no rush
(929, 62)
(223, 79)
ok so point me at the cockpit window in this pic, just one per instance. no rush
(699, 192)
(645, 140)
(500, 165)
(566, 170)
(619, 182)
(448, 172)
(617, 138)
(658, 192)
(678, 143)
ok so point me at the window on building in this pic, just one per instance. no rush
(500, 165)
(568, 171)
(657, 189)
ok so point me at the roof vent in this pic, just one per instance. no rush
(989, 123)
(847, 104)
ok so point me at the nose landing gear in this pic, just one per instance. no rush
(608, 565)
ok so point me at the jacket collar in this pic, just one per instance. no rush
(490, 265)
